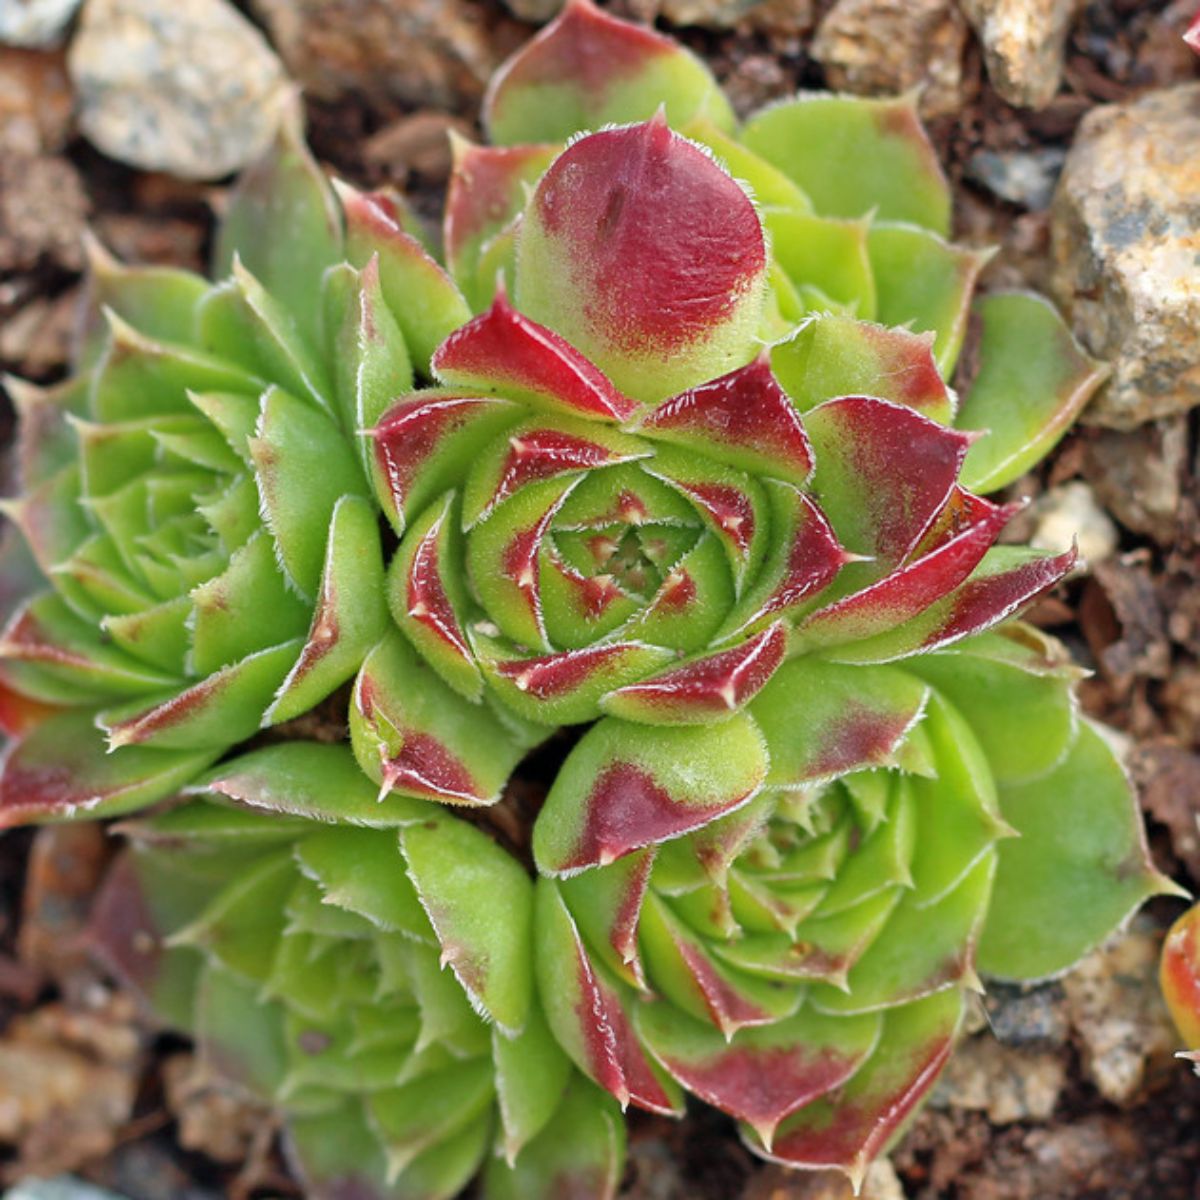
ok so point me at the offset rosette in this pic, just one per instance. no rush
(849, 189)
(345, 975)
(803, 962)
(207, 550)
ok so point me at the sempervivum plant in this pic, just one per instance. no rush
(306, 960)
(196, 496)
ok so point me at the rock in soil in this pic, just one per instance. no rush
(43, 212)
(189, 87)
(35, 22)
(1009, 1083)
(881, 47)
(35, 102)
(1026, 178)
(780, 1183)
(1126, 236)
(430, 53)
(68, 1080)
(1069, 515)
(1120, 1020)
(779, 17)
(1023, 45)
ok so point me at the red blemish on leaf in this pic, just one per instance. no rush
(677, 594)
(912, 588)
(857, 1132)
(623, 931)
(719, 683)
(744, 410)
(519, 562)
(411, 432)
(627, 809)
(859, 736)
(553, 675)
(426, 596)
(585, 47)
(729, 1010)
(982, 602)
(763, 1085)
(543, 453)
(814, 559)
(610, 1044)
(32, 790)
(661, 244)
(424, 765)
(730, 509)
(486, 190)
(907, 361)
(503, 350)
(898, 467)
(169, 713)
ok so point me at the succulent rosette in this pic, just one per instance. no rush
(307, 961)
(206, 552)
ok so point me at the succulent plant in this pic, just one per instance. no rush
(689, 503)
(306, 960)
(206, 546)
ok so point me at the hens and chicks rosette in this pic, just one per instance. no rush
(688, 507)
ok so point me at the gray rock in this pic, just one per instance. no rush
(1125, 234)
(1023, 45)
(63, 1187)
(184, 86)
(1027, 1016)
(1020, 177)
(881, 47)
(35, 23)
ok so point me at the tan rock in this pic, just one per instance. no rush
(1009, 1083)
(882, 47)
(431, 53)
(1126, 239)
(1023, 45)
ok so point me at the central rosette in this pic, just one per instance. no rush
(609, 510)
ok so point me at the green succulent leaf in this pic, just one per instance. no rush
(1082, 852)
(1033, 381)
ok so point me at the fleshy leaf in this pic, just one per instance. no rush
(744, 418)
(706, 687)
(761, 1075)
(503, 350)
(848, 1133)
(835, 355)
(285, 191)
(1033, 381)
(219, 711)
(421, 296)
(883, 472)
(586, 1010)
(303, 467)
(480, 903)
(414, 735)
(852, 155)
(579, 1153)
(531, 1074)
(308, 779)
(350, 614)
(1008, 578)
(486, 192)
(1082, 852)
(627, 786)
(62, 768)
(1179, 976)
(649, 259)
(822, 720)
(586, 70)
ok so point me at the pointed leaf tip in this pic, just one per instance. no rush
(646, 255)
